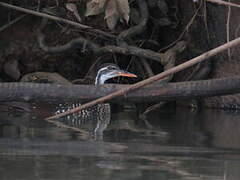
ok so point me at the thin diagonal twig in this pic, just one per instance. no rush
(11, 23)
(220, 2)
(59, 19)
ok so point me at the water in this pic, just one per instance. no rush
(168, 145)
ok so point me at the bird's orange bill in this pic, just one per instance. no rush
(127, 74)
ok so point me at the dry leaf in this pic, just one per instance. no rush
(114, 10)
(95, 7)
(123, 9)
(73, 8)
(111, 14)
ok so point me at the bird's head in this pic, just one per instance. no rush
(109, 71)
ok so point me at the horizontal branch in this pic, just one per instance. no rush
(153, 93)
(96, 49)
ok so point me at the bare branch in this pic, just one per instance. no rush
(59, 19)
(224, 3)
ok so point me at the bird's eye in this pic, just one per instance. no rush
(111, 68)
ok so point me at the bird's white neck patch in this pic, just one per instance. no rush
(101, 78)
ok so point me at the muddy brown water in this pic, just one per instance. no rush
(168, 145)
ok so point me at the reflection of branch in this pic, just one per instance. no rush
(59, 124)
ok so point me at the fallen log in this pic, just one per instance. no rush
(165, 92)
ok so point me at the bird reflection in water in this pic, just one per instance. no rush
(99, 114)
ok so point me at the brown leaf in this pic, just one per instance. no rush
(114, 10)
(95, 7)
(111, 14)
(123, 9)
(73, 8)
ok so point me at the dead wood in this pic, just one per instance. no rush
(154, 93)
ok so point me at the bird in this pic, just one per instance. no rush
(109, 71)
(100, 113)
